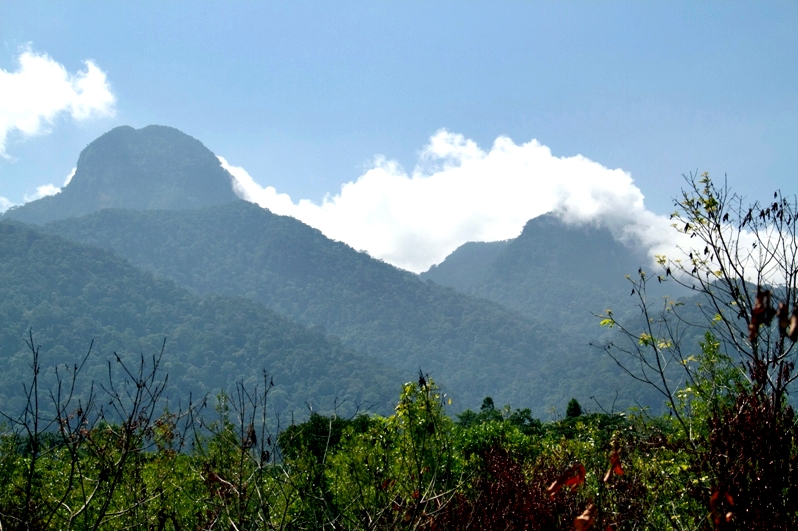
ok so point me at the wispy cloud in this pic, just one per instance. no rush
(41, 89)
(459, 192)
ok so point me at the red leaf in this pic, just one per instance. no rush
(573, 477)
(615, 466)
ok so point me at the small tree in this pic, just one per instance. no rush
(83, 459)
(573, 409)
(401, 471)
(742, 261)
(236, 456)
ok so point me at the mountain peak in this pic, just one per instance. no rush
(152, 168)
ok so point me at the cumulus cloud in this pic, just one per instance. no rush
(41, 191)
(460, 192)
(48, 189)
(41, 89)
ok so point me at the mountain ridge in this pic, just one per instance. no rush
(544, 270)
(473, 346)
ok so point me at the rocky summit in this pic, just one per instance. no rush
(153, 168)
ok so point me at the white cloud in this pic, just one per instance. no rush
(49, 189)
(41, 191)
(246, 188)
(5, 204)
(460, 192)
(41, 89)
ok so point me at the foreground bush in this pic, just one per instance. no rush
(416, 469)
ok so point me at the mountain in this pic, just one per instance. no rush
(467, 265)
(553, 271)
(474, 347)
(182, 223)
(69, 294)
(153, 168)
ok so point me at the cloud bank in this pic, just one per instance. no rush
(41, 89)
(459, 192)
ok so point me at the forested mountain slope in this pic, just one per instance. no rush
(472, 346)
(468, 266)
(69, 294)
(155, 167)
(552, 272)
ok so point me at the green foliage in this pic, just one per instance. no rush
(716, 381)
(732, 404)
(473, 441)
(319, 435)
(414, 469)
(69, 293)
(395, 473)
(521, 419)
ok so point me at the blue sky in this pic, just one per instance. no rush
(305, 95)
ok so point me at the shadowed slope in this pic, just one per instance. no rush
(69, 294)
(474, 347)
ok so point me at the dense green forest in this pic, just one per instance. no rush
(473, 346)
(69, 294)
(418, 468)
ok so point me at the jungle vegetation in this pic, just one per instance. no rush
(723, 456)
